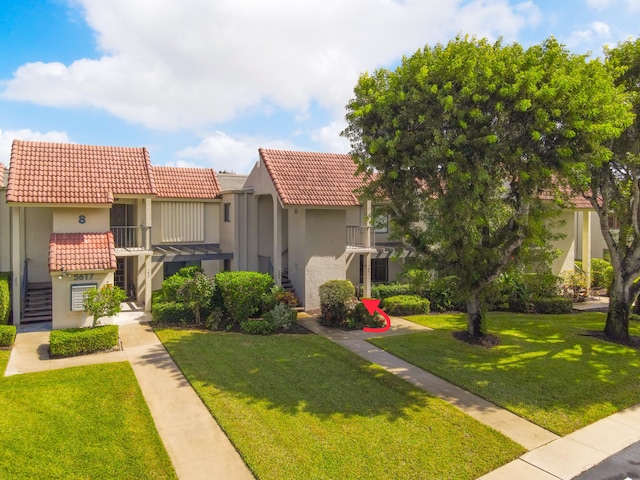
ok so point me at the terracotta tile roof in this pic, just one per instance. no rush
(1, 175)
(81, 252)
(176, 182)
(309, 178)
(42, 172)
(577, 201)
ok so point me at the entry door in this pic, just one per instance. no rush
(123, 276)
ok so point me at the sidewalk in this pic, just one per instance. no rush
(549, 458)
(197, 446)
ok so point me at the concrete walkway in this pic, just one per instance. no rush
(549, 458)
(197, 446)
(518, 429)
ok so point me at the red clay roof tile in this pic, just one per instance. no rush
(42, 172)
(177, 182)
(310, 178)
(74, 252)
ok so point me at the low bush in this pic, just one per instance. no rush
(287, 298)
(387, 290)
(443, 295)
(334, 296)
(359, 317)
(553, 305)
(7, 335)
(282, 317)
(242, 293)
(598, 273)
(5, 297)
(406, 305)
(172, 313)
(257, 326)
(634, 317)
(75, 341)
(418, 278)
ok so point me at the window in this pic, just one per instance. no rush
(226, 265)
(77, 296)
(613, 222)
(227, 212)
(379, 270)
(171, 268)
(380, 220)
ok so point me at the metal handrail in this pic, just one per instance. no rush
(23, 286)
(127, 236)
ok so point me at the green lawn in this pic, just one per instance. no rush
(544, 370)
(300, 406)
(78, 423)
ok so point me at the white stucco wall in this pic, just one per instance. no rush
(325, 251)
(5, 233)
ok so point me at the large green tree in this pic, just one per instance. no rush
(613, 188)
(466, 139)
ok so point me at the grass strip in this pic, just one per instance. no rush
(545, 369)
(300, 406)
(78, 423)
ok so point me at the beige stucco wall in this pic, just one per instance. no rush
(63, 317)
(265, 225)
(69, 220)
(566, 246)
(325, 251)
(38, 225)
(297, 249)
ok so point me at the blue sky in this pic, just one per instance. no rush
(208, 82)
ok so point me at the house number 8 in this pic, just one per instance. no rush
(82, 219)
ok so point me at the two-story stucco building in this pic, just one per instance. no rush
(76, 216)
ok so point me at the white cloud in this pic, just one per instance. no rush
(593, 37)
(224, 152)
(8, 136)
(170, 65)
(328, 138)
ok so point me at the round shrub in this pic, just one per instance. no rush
(282, 317)
(242, 293)
(172, 313)
(406, 305)
(334, 296)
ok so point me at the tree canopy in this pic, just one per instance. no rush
(471, 143)
(613, 188)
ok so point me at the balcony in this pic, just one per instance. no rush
(131, 240)
(361, 239)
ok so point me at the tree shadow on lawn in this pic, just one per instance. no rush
(292, 373)
(566, 379)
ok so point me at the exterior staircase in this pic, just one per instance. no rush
(37, 303)
(288, 286)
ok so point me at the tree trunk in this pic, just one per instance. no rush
(617, 326)
(475, 326)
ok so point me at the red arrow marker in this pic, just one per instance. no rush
(373, 306)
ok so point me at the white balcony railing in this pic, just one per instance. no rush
(357, 236)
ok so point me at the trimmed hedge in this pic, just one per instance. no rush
(257, 326)
(406, 305)
(5, 297)
(553, 305)
(387, 290)
(172, 313)
(7, 335)
(75, 341)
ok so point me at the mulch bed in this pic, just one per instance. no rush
(486, 341)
